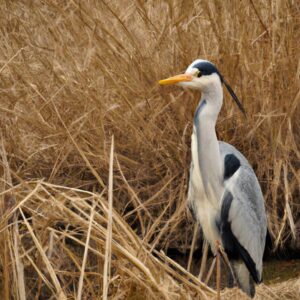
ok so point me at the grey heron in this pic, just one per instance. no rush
(224, 193)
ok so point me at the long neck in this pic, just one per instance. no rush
(209, 159)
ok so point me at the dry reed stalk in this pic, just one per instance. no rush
(18, 268)
(80, 284)
(107, 262)
(195, 233)
(210, 271)
(287, 206)
(204, 259)
(19, 264)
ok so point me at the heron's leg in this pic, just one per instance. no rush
(231, 277)
(218, 269)
(230, 280)
(204, 259)
(252, 287)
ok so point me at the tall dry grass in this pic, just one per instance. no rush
(75, 73)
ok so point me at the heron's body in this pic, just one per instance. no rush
(224, 193)
(247, 209)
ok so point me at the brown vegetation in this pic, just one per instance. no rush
(74, 73)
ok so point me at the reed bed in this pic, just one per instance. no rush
(55, 248)
(75, 73)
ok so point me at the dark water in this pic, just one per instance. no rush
(280, 270)
(274, 270)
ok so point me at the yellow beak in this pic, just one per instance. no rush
(176, 79)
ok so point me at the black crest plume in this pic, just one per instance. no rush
(234, 96)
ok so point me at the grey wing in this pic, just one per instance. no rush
(243, 224)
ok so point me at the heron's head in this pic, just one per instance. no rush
(204, 76)
(200, 75)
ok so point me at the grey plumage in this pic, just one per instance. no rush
(247, 213)
(247, 218)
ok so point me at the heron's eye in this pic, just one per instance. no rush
(198, 73)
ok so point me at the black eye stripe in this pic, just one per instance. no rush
(206, 68)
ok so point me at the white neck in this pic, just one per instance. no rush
(209, 159)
